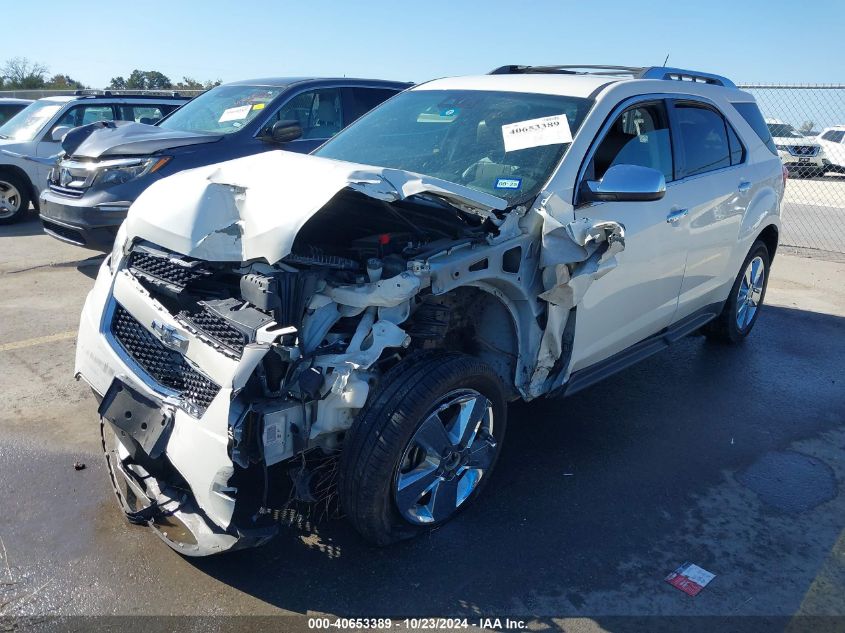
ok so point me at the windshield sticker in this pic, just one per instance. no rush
(508, 183)
(258, 106)
(234, 114)
(549, 130)
(443, 115)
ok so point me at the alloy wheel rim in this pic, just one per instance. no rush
(445, 460)
(10, 199)
(750, 292)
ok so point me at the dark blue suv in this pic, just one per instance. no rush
(108, 164)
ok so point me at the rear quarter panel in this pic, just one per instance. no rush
(765, 171)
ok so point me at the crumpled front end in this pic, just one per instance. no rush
(213, 374)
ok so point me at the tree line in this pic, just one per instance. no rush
(19, 73)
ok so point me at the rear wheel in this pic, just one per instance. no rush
(743, 305)
(14, 198)
(424, 447)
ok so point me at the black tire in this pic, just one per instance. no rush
(379, 440)
(725, 327)
(10, 180)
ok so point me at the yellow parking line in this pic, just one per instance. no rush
(30, 342)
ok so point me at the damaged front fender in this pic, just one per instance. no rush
(573, 256)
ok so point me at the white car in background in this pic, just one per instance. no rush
(832, 141)
(801, 155)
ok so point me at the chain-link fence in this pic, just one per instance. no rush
(808, 126)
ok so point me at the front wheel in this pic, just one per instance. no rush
(743, 305)
(14, 198)
(424, 446)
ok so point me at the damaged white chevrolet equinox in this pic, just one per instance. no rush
(370, 309)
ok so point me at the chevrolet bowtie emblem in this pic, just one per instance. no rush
(169, 336)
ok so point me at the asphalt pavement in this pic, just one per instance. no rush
(732, 458)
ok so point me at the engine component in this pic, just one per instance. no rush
(285, 294)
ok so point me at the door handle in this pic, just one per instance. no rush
(744, 186)
(676, 215)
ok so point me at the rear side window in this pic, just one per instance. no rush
(141, 113)
(361, 100)
(752, 115)
(704, 137)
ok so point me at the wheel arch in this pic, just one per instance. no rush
(770, 237)
(20, 173)
(484, 323)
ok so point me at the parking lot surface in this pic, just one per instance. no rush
(732, 458)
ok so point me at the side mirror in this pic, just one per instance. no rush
(59, 131)
(284, 131)
(624, 183)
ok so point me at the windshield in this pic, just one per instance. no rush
(784, 130)
(27, 123)
(221, 110)
(502, 143)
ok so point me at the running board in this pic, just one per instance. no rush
(596, 373)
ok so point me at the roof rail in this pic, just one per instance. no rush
(146, 94)
(636, 72)
(89, 92)
(679, 74)
(579, 69)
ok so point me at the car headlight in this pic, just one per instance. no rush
(119, 171)
(117, 249)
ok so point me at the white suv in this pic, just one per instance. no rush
(832, 140)
(802, 156)
(370, 310)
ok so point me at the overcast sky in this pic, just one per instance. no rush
(747, 40)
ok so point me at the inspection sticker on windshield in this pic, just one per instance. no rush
(234, 114)
(549, 130)
(508, 183)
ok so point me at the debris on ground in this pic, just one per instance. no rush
(79, 465)
(690, 578)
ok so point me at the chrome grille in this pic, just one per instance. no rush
(166, 366)
(803, 150)
(66, 191)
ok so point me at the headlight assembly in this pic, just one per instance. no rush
(119, 171)
(116, 255)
